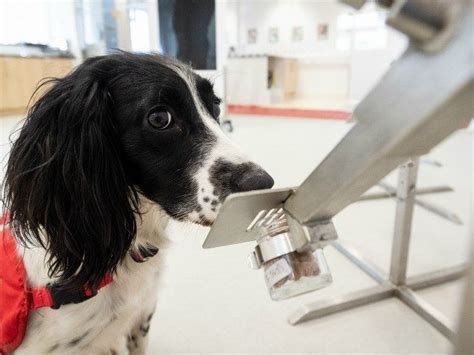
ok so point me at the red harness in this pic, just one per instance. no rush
(17, 299)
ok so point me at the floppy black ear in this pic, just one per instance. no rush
(65, 185)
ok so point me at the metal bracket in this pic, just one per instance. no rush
(298, 238)
(429, 24)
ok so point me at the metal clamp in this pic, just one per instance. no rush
(317, 234)
(429, 24)
(298, 237)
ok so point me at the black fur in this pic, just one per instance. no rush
(86, 150)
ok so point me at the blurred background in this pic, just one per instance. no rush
(283, 54)
(290, 73)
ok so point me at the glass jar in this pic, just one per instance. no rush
(294, 273)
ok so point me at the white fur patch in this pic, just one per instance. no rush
(223, 148)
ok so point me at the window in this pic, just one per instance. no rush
(361, 31)
(370, 39)
(139, 30)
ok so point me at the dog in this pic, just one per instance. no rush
(105, 158)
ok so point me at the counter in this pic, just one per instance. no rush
(20, 76)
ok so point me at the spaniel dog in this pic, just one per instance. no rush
(106, 156)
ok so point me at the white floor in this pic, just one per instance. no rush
(210, 302)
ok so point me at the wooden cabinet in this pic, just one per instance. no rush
(284, 75)
(261, 80)
(19, 77)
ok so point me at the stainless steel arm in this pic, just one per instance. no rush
(422, 99)
(418, 103)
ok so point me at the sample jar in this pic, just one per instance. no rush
(294, 273)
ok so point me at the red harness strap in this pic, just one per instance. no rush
(17, 299)
(52, 296)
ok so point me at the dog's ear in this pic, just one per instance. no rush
(65, 186)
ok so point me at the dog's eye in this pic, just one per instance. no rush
(216, 110)
(160, 119)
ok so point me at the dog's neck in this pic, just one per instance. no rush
(151, 224)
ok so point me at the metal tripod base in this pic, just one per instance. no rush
(396, 284)
(384, 290)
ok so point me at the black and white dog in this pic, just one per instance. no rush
(104, 159)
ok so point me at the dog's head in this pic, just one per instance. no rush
(174, 150)
(119, 126)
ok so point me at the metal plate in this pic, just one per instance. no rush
(238, 211)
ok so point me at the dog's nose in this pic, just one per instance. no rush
(252, 179)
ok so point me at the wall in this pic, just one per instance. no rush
(367, 67)
(324, 71)
(284, 15)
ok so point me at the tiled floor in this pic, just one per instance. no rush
(210, 302)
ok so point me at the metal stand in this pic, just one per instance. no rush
(417, 103)
(396, 284)
(391, 191)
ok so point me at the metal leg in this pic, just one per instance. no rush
(351, 300)
(403, 219)
(436, 277)
(366, 266)
(420, 191)
(427, 312)
(431, 207)
(440, 211)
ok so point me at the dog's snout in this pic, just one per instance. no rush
(227, 177)
(252, 179)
